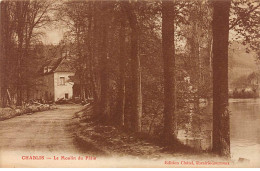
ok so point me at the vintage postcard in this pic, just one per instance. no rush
(129, 83)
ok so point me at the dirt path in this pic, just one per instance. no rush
(43, 133)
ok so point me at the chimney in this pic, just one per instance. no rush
(64, 54)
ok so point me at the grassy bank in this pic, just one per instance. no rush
(107, 140)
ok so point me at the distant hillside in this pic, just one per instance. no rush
(240, 62)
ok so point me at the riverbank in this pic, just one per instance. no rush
(108, 140)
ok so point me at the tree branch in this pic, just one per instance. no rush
(240, 18)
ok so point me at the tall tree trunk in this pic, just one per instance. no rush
(221, 133)
(104, 72)
(90, 53)
(122, 71)
(21, 11)
(19, 55)
(94, 58)
(27, 78)
(4, 41)
(136, 99)
(195, 67)
(168, 49)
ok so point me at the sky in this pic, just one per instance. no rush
(53, 36)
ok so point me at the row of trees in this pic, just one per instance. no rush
(21, 24)
(110, 40)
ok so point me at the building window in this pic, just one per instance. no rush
(45, 69)
(49, 68)
(62, 80)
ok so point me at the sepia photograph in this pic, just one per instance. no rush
(129, 84)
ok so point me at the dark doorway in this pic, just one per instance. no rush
(66, 95)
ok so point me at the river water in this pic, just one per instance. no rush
(245, 128)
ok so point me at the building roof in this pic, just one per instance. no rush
(56, 65)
